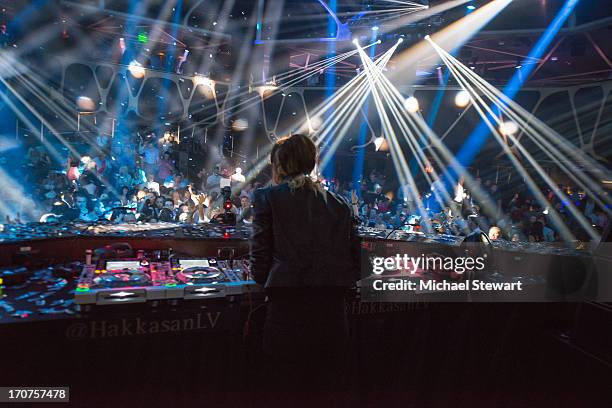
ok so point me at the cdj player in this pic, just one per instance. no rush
(148, 278)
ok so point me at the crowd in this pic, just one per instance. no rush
(135, 181)
(513, 215)
(138, 181)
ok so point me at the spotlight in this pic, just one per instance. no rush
(143, 37)
(427, 37)
(379, 42)
(315, 123)
(462, 99)
(519, 66)
(508, 128)
(356, 41)
(136, 69)
(411, 104)
(471, 7)
(208, 85)
(85, 104)
(400, 40)
(375, 28)
(240, 125)
(204, 81)
(265, 89)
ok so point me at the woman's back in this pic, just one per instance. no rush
(303, 238)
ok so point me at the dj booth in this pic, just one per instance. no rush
(168, 314)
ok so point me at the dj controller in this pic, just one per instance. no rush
(51, 271)
(153, 277)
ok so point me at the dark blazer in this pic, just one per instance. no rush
(303, 239)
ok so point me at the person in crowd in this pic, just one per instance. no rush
(496, 197)
(123, 177)
(102, 164)
(102, 141)
(165, 167)
(213, 182)
(237, 178)
(379, 222)
(87, 184)
(548, 233)
(85, 207)
(245, 212)
(459, 197)
(150, 154)
(535, 230)
(166, 213)
(176, 198)
(125, 197)
(180, 181)
(495, 233)
(73, 173)
(152, 185)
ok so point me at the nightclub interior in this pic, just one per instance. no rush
(377, 203)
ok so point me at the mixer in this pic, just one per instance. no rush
(147, 277)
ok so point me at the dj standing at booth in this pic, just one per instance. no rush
(305, 251)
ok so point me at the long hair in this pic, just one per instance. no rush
(293, 158)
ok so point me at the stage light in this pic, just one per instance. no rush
(519, 66)
(85, 104)
(356, 41)
(379, 42)
(264, 89)
(204, 81)
(378, 142)
(240, 125)
(401, 40)
(427, 37)
(315, 123)
(411, 104)
(143, 37)
(462, 99)
(471, 7)
(208, 85)
(136, 69)
(375, 28)
(508, 128)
